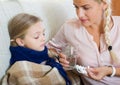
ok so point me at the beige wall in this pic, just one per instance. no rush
(116, 7)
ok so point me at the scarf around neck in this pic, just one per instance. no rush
(20, 53)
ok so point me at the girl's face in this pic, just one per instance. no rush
(35, 37)
(89, 12)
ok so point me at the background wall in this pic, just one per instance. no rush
(116, 7)
(53, 13)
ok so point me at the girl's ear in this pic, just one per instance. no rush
(20, 41)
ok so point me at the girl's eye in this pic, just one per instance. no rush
(36, 37)
(44, 34)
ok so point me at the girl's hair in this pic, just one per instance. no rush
(19, 24)
(108, 14)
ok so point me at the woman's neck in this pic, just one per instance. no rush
(99, 28)
(95, 29)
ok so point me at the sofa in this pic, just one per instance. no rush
(53, 13)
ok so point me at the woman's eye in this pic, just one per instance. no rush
(86, 8)
(76, 7)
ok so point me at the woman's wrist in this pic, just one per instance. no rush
(108, 70)
(111, 71)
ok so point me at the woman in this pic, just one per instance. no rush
(97, 35)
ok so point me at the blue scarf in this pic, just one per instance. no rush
(25, 54)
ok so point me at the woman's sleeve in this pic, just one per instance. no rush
(58, 42)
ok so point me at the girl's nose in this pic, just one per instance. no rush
(43, 38)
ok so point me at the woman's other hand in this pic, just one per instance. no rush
(99, 72)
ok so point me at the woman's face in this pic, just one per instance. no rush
(89, 12)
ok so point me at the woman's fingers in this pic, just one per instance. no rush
(63, 60)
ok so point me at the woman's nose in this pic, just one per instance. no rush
(80, 13)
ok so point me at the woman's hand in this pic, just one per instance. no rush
(99, 72)
(63, 61)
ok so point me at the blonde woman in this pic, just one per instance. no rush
(30, 63)
(96, 34)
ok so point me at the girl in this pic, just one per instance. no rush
(30, 63)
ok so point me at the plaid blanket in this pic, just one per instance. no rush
(29, 73)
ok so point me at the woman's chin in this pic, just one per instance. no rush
(86, 24)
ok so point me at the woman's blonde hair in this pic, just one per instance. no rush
(108, 14)
(19, 24)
